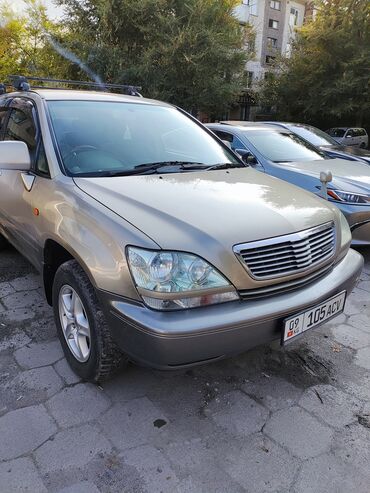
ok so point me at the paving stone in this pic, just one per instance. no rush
(352, 445)
(351, 337)
(132, 383)
(196, 464)
(363, 358)
(190, 455)
(20, 476)
(14, 341)
(79, 404)
(275, 393)
(360, 321)
(153, 467)
(26, 283)
(83, 487)
(37, 384)
(357, 302)
(41, 354)
(65, 371)
(299, 432)
(238, 414)
(5, 289)
(331, 405)
(23, 299)
(216, 482)
(327, 474)
(72, 448)
(133, 423)
(23, 430)
(17, 315)
(259, 466)
(365, 285)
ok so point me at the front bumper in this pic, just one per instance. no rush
(175, 339)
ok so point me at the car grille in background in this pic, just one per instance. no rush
(289, 254)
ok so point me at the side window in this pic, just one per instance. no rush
(349, 133)
(225, 137)
(237, 144)
(22, 126)
(3, 114)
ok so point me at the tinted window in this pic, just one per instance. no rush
(314, 135)
(235, 143)
(337, 132)
(21, 126)
(98, 137)
(3, 113)
(282, 146)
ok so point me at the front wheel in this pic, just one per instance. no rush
(82, 329)
(363, 145)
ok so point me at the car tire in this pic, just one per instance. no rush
(81, 325)
(363, 145)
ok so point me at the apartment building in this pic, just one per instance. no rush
(274, 23)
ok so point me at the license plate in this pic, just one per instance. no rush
(294, 326)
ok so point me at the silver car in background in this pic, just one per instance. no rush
(282, 153)
(324, 142)
(350, 136)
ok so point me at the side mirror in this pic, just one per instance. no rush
(14, 155)
(325, 178)
(246, 156)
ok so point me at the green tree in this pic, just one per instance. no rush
(327, 78)
(190, 53)
(24, 46)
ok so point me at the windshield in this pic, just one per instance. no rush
(314, 135)
(337, 132)
(102, 138)
(282, 146)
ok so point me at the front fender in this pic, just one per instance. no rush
(95, 236)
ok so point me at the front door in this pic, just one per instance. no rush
(18, 190)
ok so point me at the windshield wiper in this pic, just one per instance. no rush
(183, 165)
(153, 167)
(187, 166)
(227, 166)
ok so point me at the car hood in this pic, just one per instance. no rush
(347, 175)
(195, 211)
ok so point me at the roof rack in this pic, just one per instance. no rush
(21, 83)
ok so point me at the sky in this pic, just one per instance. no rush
(53, 11)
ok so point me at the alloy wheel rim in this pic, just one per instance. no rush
(75, 324)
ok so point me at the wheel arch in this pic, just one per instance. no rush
(54, 256)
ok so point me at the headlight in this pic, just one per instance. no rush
(348, 197)
(175, 280)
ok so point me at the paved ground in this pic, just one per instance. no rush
(267, 421)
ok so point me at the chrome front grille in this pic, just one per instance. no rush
(290, 254)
